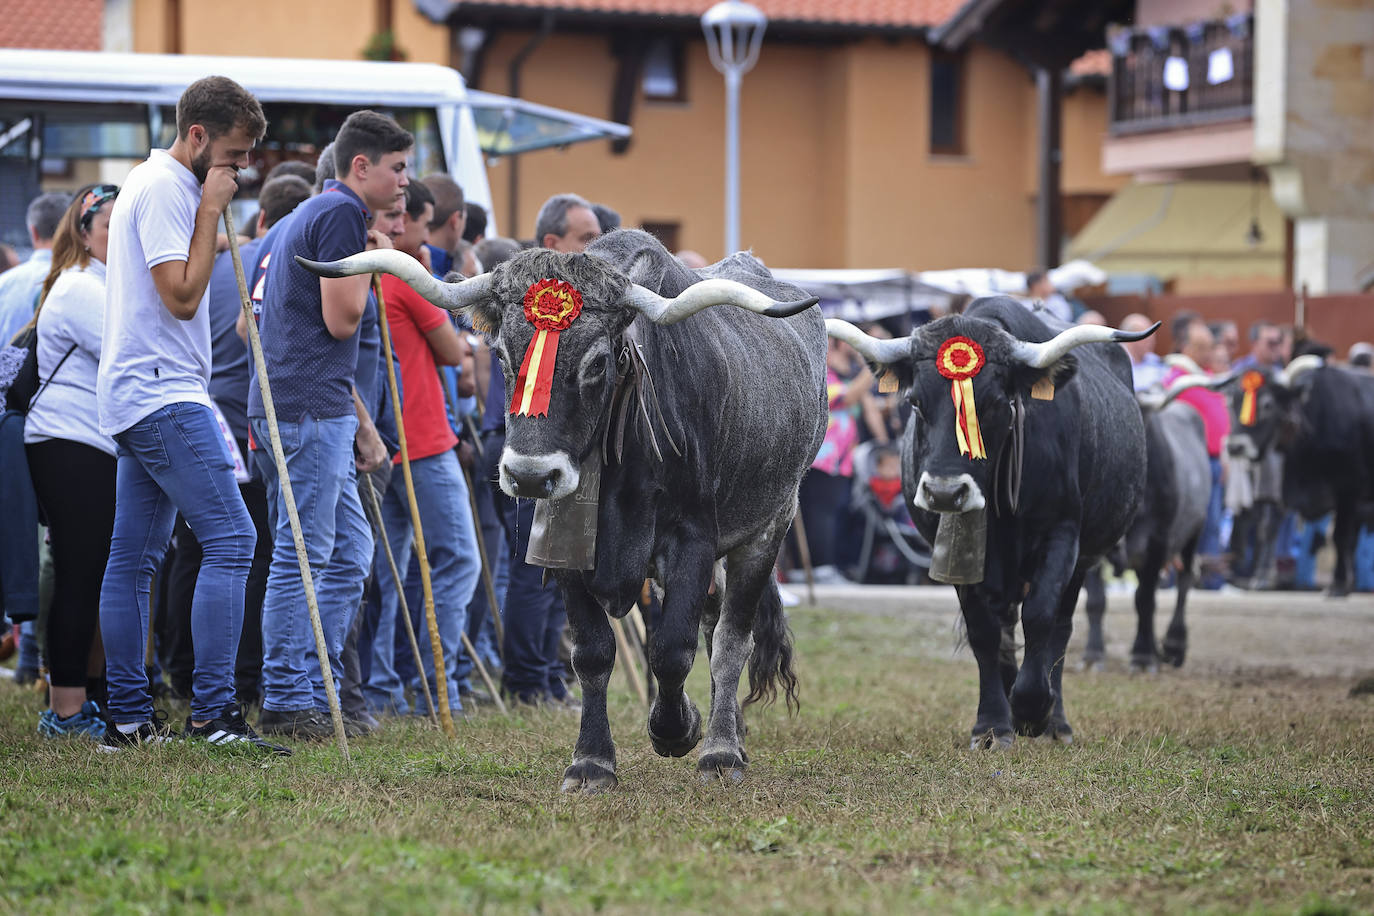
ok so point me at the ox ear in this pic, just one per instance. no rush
(1042, 382)
(890, 360)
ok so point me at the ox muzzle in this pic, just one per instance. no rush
(551, 476)
(955, 493)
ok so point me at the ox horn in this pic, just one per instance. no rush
(877, 350)
(1288, 376)
(451, 296)
(703, 295)
(1158, 399)
(1044, 355)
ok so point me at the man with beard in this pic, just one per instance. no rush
(152, 397)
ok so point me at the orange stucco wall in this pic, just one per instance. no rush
(835, 169)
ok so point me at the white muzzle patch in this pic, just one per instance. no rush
(551, 476)
(959, 493)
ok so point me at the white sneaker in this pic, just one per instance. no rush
(789, 599)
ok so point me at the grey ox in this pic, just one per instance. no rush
(708, 473)
(1065, 422)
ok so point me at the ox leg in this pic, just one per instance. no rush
(1033, 696)
(1345, 534)
(1145, 651)
(1059, 729)
(1266, 533)
(593, 763)
(1095, 593)
(749, 584)
(674, 722)
(1176, 639)
(983, 622)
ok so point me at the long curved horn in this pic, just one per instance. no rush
(703, 295)
(1158, 398)
(1288, 376)
(451, 296)
(874, 349)
(1044, 355)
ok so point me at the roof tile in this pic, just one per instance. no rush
(878, 13)
(70, 25)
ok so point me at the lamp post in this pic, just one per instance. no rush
(734, 32)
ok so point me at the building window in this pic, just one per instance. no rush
(664, 79)
(664, 231)
(946, 104)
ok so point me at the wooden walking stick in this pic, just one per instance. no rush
(435, 644)
(375, 513)
(487, 581)
(279, 456)
(631, 664)
(804, 551)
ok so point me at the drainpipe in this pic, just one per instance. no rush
(516, 65)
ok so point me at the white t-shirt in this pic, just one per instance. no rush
(72, 315)
(150, 358)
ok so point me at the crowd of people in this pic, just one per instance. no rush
(153, 552)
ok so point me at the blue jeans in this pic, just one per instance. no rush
(175, 460)
(338, 543)
(454, 563)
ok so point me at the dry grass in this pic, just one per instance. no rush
(1185, 793)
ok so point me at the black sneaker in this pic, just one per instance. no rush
(308, 724)
(229, 729)
(148, 733)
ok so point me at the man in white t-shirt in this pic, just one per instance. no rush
(151, 396)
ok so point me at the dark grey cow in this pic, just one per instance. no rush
(1063, 475)
(1173, 510)
(703, 457)
(1325, 428)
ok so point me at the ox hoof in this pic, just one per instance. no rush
(1337, 591)
(1058, 732)
(721, 766)
(991, 741)
(1174, 652)
(588, 778)
(1144, 664)
(680, 746)
(1095, 664)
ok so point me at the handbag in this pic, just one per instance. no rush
(24, 388)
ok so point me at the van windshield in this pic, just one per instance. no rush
(62, 146)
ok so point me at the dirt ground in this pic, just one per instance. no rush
(1233, 633)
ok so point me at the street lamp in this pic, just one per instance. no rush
(734, 32)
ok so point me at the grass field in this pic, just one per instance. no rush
(1185, 793)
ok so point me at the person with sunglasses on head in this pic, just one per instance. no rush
(153, 399)
(72, 464)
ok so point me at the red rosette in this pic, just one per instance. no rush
(551, 305)
(959, 358)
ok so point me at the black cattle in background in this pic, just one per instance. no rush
(1081, 475)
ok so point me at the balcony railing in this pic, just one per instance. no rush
(1165, 78)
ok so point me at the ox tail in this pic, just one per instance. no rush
(771, 662)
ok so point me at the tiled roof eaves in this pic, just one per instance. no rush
(475, 10)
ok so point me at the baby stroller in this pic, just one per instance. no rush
(893, 551)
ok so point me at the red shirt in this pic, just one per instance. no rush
(1211, 405)
(410, 318)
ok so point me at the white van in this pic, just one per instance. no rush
(68, 118)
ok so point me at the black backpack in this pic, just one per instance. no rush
(25, 385)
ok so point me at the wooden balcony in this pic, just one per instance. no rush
(1167, 78)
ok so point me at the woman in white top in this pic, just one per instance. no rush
(72, 464)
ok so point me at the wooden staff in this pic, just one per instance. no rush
(279, 456)
(375, 512)
(631, 664)
(804, 551)
(487, 580)
(436, 646)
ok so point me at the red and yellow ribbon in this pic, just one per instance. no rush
(1251, 382)
(959, 359)
(550, 305)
